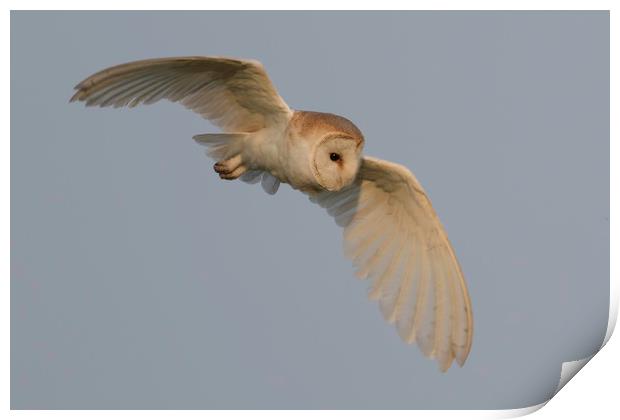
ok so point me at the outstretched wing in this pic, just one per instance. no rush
(236, 95)
(395, 238)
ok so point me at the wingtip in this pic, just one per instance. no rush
(461, 359)
(76, 96)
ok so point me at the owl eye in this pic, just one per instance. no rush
(334, 156)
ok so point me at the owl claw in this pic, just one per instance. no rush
(231, 168)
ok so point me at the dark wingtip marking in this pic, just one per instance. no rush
(74, 97)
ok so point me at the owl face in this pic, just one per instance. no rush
(335, 160)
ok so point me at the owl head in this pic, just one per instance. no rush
(336, 148)
(335, 160)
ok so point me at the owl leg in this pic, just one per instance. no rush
(231, 168)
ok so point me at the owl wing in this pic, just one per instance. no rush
(236, 95)
(394, 237)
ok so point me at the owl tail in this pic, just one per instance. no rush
(222, 146)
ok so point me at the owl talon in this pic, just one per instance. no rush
(231, 168)
(221, 169)
(234, 174)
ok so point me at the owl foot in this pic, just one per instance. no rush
(231, 168)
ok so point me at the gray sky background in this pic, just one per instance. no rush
(141, 280)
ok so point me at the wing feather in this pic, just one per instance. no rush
(404, 286)
(236, 95)
(384, 277)
(382, 254)
(395, 238)
(406, 316)
(425, 319)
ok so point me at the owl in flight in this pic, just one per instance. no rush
(391, 232)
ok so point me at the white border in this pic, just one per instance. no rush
(600, 381)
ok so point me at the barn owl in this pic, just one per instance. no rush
(391, 232)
